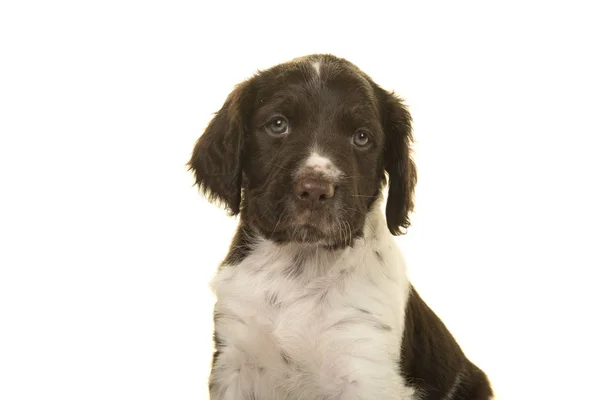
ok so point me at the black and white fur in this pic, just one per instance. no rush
(313, 300)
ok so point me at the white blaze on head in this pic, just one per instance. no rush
(317, 67)
(320, 165)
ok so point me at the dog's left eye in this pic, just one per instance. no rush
(361, 138)
(278, 126)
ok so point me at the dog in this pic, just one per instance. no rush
(313, 300)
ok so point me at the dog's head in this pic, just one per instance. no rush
(301, 151)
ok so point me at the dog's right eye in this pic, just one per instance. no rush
(278, 126)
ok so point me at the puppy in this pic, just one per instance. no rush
(313, 300)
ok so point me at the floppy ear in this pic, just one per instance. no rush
(217, 157)
(398, 163)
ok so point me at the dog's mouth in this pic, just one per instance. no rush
(331, 226)
(308, 234)
(302, 233)
(311, 229)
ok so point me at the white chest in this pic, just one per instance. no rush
(308, 326)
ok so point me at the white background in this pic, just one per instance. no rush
(106, 249)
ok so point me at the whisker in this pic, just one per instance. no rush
(349, 233)
(353, 176)
(346, 233)
(277, 224)
(278, 166)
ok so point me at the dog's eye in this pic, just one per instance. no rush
(361, 138)
(278, 126)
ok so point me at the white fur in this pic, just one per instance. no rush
(327, 327)
(322, 165)
(317, 67)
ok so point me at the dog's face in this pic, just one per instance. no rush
(302, 149)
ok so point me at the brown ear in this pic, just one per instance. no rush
(398, 163)
(217, 157)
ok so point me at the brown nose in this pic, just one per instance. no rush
(313, 190)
